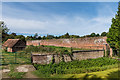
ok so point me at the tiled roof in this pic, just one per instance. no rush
(10, 42)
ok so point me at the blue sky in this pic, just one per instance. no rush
(57, 18)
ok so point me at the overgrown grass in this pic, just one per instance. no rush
(47, 49)
(50, 49)
(76, 67)
(11, 58)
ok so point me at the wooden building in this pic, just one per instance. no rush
(14, 45)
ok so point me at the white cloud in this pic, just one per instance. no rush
(59, 25)
(21, 25)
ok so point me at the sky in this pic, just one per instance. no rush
(0, 10)
(58, 18)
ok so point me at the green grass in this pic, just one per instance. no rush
(66, 48)
(76, 67)
(12, 58)
(16, 74)
(13, 73)
(109, 74)
(44, 49)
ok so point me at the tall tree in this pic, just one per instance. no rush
(113, 36)
(4, 28)
(4, 31)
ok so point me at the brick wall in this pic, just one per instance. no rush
(42, 59)
(86, 43)
(89, 54)
(77, 55)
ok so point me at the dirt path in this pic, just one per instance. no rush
(28, 69)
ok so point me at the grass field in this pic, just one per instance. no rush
(11, 58)
(110, 74)
(51, 49)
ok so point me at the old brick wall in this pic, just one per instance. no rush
(86, 43)
(77, 55)
(89, 54)
(42, 59)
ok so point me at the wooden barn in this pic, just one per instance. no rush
(14, 45)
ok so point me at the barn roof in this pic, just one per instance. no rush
(10, 42)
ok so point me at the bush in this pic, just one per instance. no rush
(75, 67)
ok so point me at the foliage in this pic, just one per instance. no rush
(104, 34)
(21, 37)
(67, 35)
(91, 65)
(92, 35)
(50, 36)
(35, 36)
(29, 38)
(4, 31)
(113, 36)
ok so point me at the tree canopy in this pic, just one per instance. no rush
(113, 36)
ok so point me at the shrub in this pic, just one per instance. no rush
(75, 67)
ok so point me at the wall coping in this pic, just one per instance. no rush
(71, 38)
(76, 51)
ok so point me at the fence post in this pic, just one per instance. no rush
(15, 57)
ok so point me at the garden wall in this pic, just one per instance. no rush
(85, 43)
(77, 55)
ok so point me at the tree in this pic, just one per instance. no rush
(39, 37)
(92, 34)
(4, 28)
(29, 38)
(97, 35)
(35, 36)
(113, 36)
(4, 31)
(21, 37)
(104, 34)
(43, 37)
(74, 36)
(50, 36)
(14, 34)
(67, 35)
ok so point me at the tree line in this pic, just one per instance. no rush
(6, 36)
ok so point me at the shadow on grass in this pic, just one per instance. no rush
(114, 75)
(91, 77)
(111, 76)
